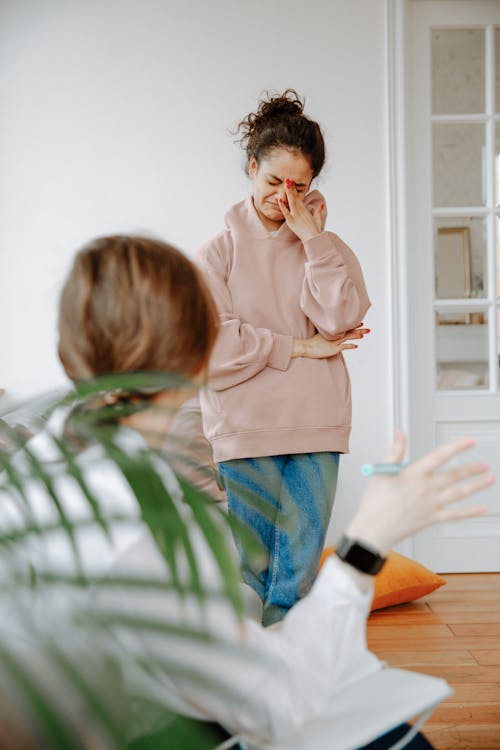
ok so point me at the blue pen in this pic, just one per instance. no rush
(369, 470)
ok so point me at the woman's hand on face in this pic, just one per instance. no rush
(318, 347)
(304, 223)
(394, 507)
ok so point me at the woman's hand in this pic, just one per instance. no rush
(318, 347)
(301, 221)
(394, 507)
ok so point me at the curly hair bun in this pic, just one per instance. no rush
(288, 104)
(280, 122)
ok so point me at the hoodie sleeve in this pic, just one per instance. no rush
(241, 350)
(333, 295)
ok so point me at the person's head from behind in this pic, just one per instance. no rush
(134, 304)
(281, 143)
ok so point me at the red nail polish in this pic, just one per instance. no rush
(322, 207)
(368, 330)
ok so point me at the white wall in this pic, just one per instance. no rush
(115, 118)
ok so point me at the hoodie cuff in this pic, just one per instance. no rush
(322, 246)
(281, 352)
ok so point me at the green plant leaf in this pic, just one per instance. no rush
(40, 473)
(158, 510)
(74, 470)
(87, 620)
(49, 718)
(218, 543)
(90, 698)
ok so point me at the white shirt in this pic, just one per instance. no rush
(260, 683)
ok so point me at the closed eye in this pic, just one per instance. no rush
(275, 182)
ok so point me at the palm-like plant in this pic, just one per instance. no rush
(74, 661)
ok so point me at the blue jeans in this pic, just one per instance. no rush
(287, 501)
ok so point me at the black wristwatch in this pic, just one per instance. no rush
(360, 556)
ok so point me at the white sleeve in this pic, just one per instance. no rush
(320, 647)
(263, 683)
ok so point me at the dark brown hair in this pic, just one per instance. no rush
(280, 122)
(134, 304)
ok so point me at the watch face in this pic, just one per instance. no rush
(360, 557)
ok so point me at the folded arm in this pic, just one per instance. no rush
(241, 350)
(333, 294)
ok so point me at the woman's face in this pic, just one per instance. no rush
(269, 182)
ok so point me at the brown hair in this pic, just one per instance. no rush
(134, 304)
(280, 122)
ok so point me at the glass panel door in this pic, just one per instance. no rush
(465, 75)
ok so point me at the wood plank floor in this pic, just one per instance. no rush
(452, 633)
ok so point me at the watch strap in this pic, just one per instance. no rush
(360, 556)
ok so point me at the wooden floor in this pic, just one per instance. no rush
(453, 633)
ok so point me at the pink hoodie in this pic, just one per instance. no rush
(270, 290)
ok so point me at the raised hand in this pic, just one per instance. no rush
(394, 507)
(304, 223)
(318, 347)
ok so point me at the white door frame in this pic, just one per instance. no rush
(410, 371)
(397, 261)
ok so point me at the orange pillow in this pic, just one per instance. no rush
(400, 580)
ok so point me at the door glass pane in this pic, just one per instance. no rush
(458, 71)
(462, 350)
(497, 70)
(458, 151)
(460, 257)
